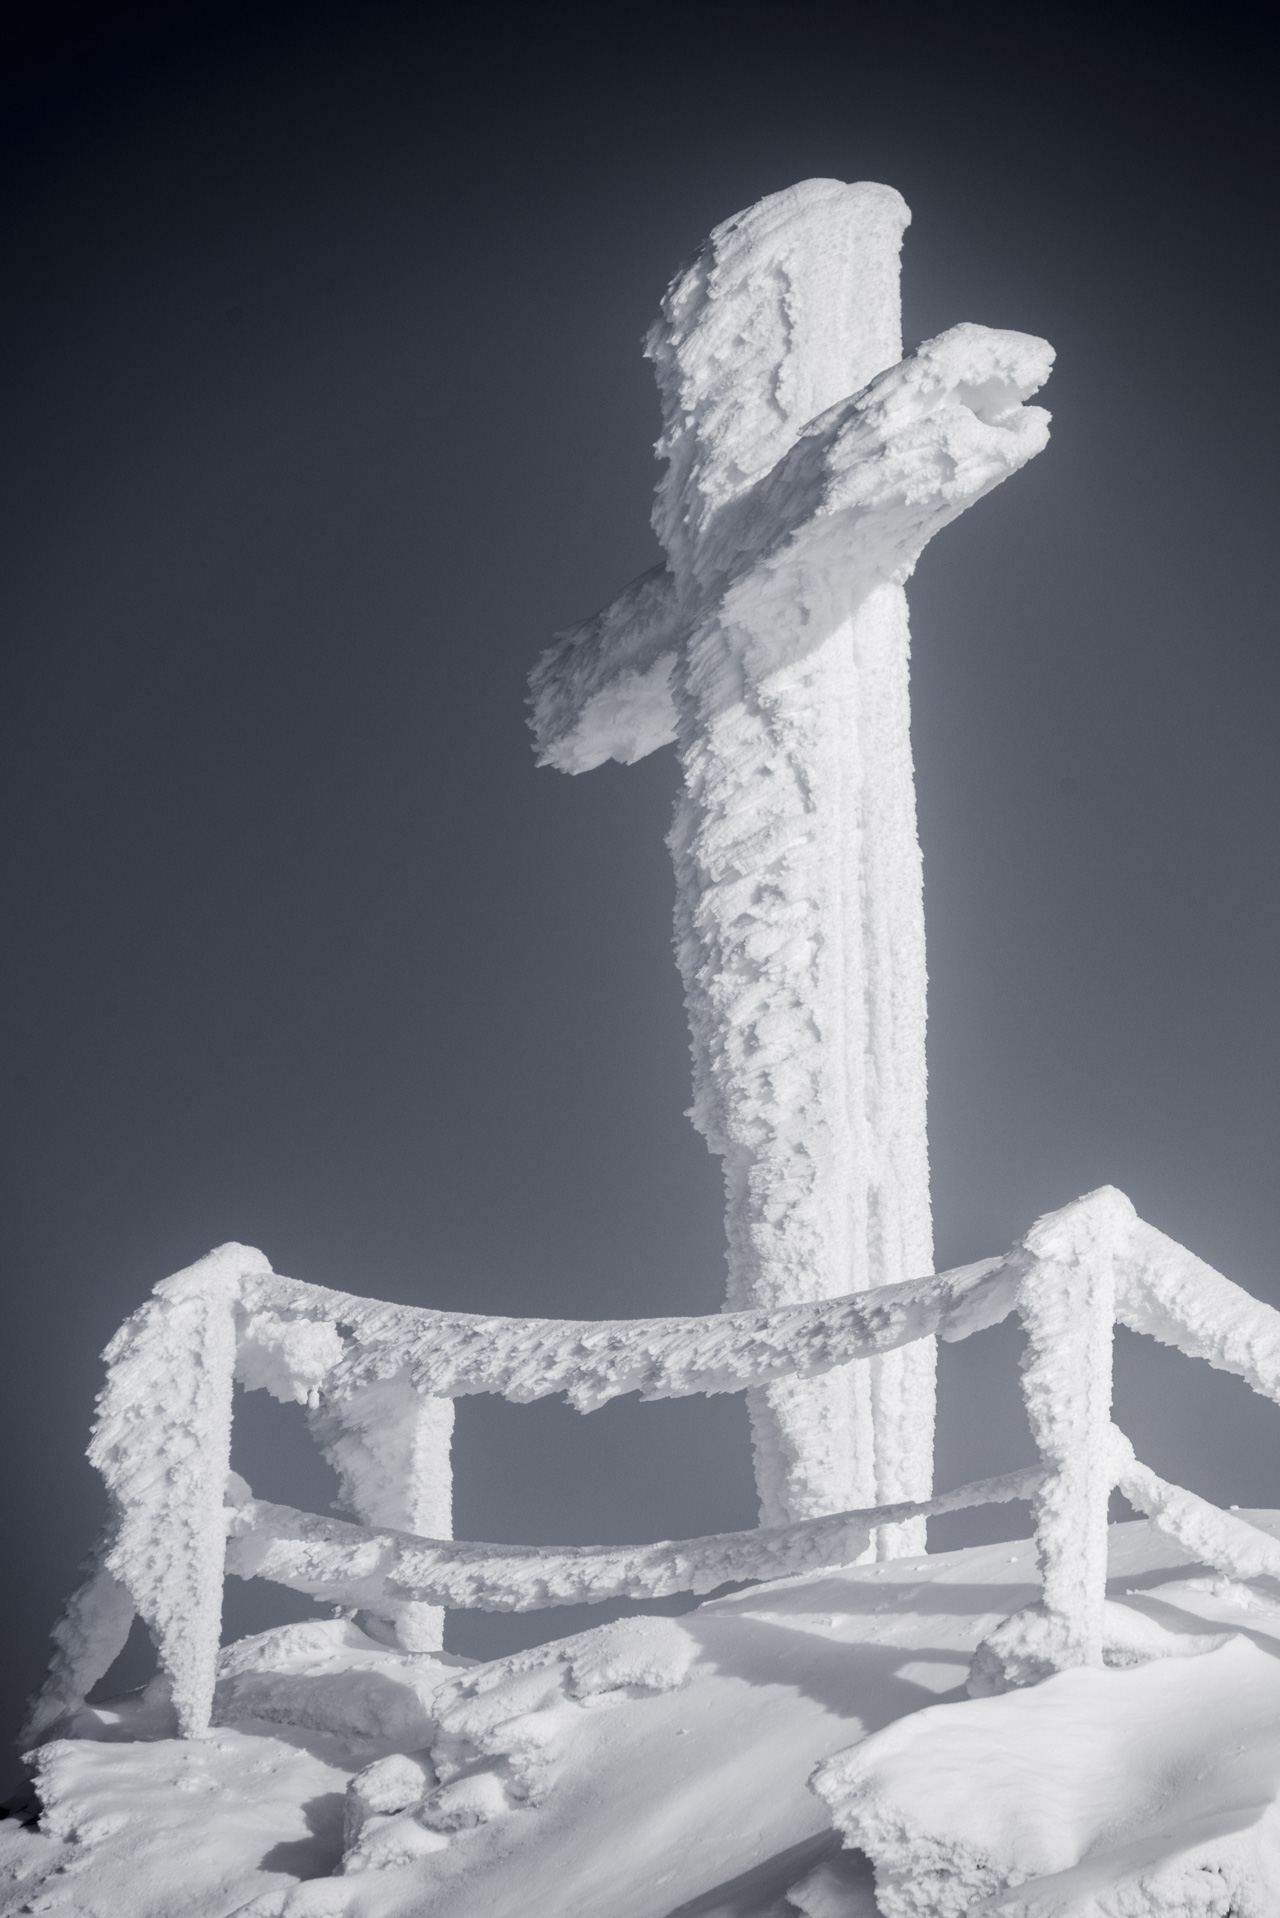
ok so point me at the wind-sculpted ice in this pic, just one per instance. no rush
(88, 1638)
(808, 464)
(389, 1444)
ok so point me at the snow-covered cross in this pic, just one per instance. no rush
(808, 465)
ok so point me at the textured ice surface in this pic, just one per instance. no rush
(1173, 1296)
(603, 691)
(390, 1446)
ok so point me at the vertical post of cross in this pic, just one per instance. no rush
(805, 473)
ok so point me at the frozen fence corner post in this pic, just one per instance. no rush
(807, 467)
(1067, 1305)
(162, 1442)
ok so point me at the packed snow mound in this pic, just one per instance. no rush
(328, 1675)
(1154, 1790)
(661, 1767)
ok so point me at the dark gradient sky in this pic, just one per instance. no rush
(323, 408)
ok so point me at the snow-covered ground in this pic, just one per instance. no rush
(663, 1766)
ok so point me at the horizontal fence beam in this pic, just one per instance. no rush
(1174, 1297)
(1212, 1536)
(302, 1341)
(307, 1342)
(357, 1565)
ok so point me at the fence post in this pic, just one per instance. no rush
(1067, 1305)
(391, 1449)
(162, 1442)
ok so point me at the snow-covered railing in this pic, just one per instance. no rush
(379, 1379)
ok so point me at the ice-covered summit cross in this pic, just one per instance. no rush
(808, 465)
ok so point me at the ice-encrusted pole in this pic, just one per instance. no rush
(391, 1449)
(1067, 1303)
(162, 1442)
(803, 480)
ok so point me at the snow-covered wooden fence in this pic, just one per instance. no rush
(379, 1380)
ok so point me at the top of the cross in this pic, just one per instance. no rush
(790, 306)
(796, 440)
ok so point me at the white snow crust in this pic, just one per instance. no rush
(1146, 1793)
(328, 1675)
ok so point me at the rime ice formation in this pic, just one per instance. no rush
(1067, 1303)
(807, 466)
(390, 1447)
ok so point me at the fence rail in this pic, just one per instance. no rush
(378, 1380)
